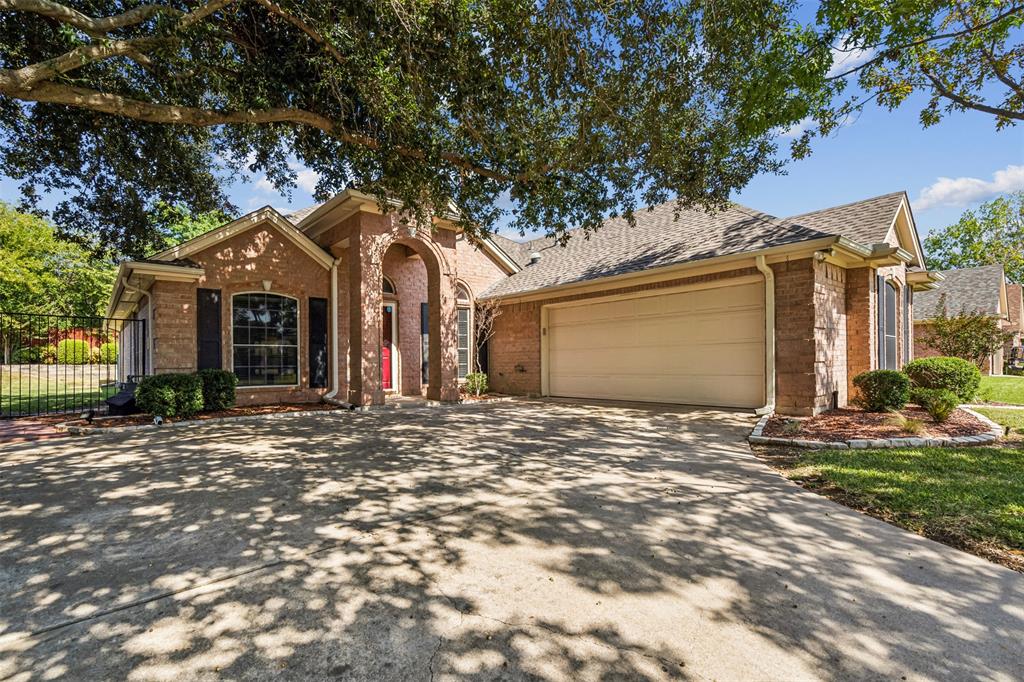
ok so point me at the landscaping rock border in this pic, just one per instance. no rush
(994, 433)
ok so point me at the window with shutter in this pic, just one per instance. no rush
(208, 334)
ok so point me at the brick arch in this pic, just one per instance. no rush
(365, 302)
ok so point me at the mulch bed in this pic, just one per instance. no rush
(471, 398)
(140, 419)
(849, 424)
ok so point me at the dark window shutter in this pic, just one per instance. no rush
(424, 342)
(318, 364)
(208, 337)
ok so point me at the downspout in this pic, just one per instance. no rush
(329, 397)
(769, 336)
(149, 321)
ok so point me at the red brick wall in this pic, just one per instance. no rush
(237, 265)
(474, 267)
(830, 329)
(409, 275)
(795, 389)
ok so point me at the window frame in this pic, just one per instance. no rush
(467, 305)
(882, 329)
(298, 339)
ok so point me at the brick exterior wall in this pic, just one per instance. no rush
(239, 264)
(830, 330)
(1015, 325)
(861, 325)
(795, 353)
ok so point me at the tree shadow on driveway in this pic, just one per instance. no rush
(513, 540)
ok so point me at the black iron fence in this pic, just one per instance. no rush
(66, 363)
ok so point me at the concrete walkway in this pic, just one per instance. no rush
(523, 540)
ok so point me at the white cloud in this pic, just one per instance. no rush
(264, 185)
(306, 178)
(798, 128)
(846, 57)
(963, 191)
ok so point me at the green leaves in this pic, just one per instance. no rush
(992, 234)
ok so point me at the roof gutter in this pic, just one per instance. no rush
(769, 335)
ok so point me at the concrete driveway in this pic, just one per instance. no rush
(524, 540)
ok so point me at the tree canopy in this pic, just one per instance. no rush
(994, 233)
(40, 273)
(176, 224)
(550, 114)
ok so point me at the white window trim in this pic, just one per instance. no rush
(298, 339)
(467, 304)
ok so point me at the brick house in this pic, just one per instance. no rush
(735, 309)
(972, 290)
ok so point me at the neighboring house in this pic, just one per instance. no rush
(733, 309)
(967, 290)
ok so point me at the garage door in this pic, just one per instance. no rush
(699, 347)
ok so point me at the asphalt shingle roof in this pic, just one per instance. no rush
(657, 239)
(866, 221)
(971, 290)
(296, 217)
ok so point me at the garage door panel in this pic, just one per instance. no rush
(700, 347)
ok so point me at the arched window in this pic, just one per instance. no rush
(387, 286)
(464, 308)
(265, 339)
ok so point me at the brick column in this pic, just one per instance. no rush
(365, 319)
(860, 323)
(795, 350)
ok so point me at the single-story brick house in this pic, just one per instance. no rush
(972, 290)
(735, 309)
(1014, 325)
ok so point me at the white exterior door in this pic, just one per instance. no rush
(699, 347)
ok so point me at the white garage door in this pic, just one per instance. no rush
(698, 347)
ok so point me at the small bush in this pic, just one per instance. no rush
(108, 353)
(170, 395)
(953, 374)
(882, 390)
(50, 355)
(218, 388)
(73, 352)
(29, 355)
(791, 427)
(476, 383)
(907, 425)
(939, 402)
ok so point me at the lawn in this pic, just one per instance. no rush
(971, 498)
(1008, 390)
(1010, 418)
(38, 389)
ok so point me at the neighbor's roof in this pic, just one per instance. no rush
(296, 217)
(970, 290)
(867, 221)
(657, 240)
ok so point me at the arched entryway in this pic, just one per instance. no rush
(403, 320)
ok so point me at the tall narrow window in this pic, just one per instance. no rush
(463, 304)
(887, 328)
(908, 324)
(265, 339)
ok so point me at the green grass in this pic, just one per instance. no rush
(968, 497)
(1008, 390)
(38, 389)
(1014, 419)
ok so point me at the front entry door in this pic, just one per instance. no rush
(387, 347)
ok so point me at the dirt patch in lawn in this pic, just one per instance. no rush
(142, 419)
(848, 424)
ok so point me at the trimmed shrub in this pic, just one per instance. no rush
(73, 352)
(476, 383)
(29, 355)
(953, 374)
(218, 388)
(938, 402)
(108, 352)
(50, 355)
(170, 395)
(882, 390)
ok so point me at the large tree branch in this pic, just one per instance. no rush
(950, 94)
(174, 114)
(886, 51)
(93, 27)
(313, 34)
(25, 77)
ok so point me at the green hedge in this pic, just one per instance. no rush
(73, 352)
(29, 355)
(953, 374)
(939, 402)
(476, 383)
(882, 390)
(218, 388)
(108, 353)
(170, 395)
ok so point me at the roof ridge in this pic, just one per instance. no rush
(846, 205)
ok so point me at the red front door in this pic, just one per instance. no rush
(385, 350)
